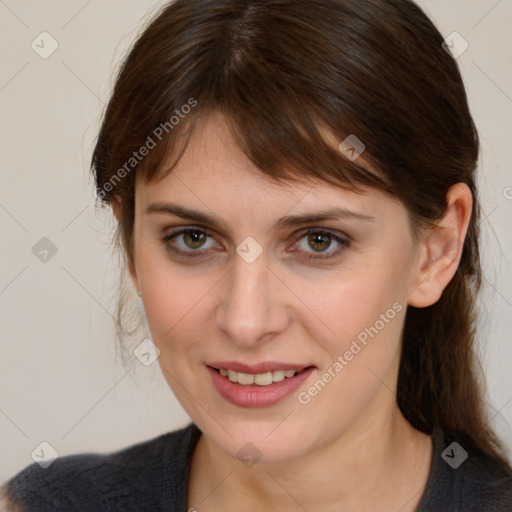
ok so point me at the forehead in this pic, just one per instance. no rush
(214, 173)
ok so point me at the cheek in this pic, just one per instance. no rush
(366, 315)
(174, 302)
(355, 306)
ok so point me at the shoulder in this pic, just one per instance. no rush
(464, 478)
(485, 484)
(135, 476)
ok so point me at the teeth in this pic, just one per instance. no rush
(279, 375)
(246, 379)
(260, 379)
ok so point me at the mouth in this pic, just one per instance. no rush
(259, 385)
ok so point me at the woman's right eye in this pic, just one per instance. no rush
(187, 242)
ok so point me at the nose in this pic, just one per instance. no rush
(252, 309)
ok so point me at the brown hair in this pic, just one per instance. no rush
(280, 71)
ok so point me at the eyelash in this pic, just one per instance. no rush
(344, 243)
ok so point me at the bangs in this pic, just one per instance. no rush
(285, 139)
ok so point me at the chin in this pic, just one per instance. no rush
(261, 442)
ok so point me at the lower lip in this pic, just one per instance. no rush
(254, 395)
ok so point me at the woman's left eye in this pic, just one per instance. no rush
(195, 241)
(320, 241)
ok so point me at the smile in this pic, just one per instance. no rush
(257, 389)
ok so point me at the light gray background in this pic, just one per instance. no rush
(60, 379)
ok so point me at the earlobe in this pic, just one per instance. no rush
(442, 249)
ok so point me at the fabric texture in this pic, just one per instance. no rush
(152, 476)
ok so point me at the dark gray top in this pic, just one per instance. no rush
(153, 476)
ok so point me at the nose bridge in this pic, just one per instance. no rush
(250, 307)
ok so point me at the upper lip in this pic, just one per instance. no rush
(267, 366)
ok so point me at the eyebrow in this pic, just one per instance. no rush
(284, 222)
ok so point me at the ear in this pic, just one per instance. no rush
(441, 248)
(117, 210)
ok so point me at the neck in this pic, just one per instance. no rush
(376, 465)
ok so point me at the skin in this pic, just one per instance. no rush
(349, 448)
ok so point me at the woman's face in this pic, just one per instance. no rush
(258, 292)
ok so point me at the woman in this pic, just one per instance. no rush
(294, 185)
